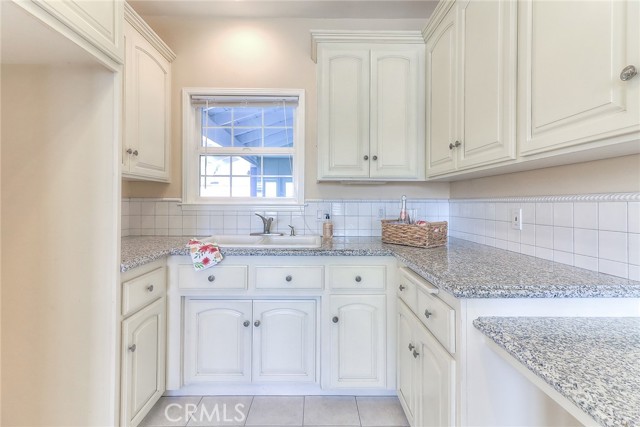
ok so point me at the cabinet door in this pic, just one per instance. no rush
(570, 90)
(98, 21)
(217, 341)
(284, 341)
(358, 341)
(435, 381)
(487, 82)
(143, 362)
(343, 112)
(147, 109)
(441, 96)
(397, 112)
(406, 366)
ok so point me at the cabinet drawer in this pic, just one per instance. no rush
(216, 278)
(438, 317)
(407, 289)
(138, 292)
(299, 277)
(357, 277)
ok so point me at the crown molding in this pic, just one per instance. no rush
(439, 12)
(132, 17)
(356, 36)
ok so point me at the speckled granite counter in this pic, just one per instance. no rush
(593, 362)
(462, 268)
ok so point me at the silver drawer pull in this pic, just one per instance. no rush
(150, 288)
(427, 314)
(288, 278)
(358, 279)
(132, 348)
(411, 346)
(415, 354)
(211, 278)
(628, 73)
(402, 287)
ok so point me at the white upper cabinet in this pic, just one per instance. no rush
(147, 103)
(570, 89)
(371, 108)
(97, 21)
(471, 86)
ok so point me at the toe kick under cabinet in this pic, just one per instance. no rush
(293, 325)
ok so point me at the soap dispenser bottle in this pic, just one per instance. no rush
(327, 228)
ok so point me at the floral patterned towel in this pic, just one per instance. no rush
(204, 255)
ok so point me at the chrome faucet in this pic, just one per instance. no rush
(266, 222)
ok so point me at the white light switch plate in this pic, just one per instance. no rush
(516, 218)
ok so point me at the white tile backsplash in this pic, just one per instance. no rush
(596, 235)
(600, 236)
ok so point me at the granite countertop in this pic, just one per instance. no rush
(462, 268)
(593, 362)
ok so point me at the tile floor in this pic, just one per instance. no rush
(281, 411)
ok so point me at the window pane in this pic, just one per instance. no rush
(216, 116)
(216, 137)
(242, 186)
(247, 116)
(245, 137)
(247, 166)
(215, 165)
(278, 116)
(279, 138)
(278, 165)
(215, 186)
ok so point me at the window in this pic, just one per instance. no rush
(243, 146)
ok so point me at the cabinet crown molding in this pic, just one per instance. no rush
(439, 12)
(143, 28)
(359, 36)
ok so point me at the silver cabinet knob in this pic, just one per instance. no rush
(211, 278)
(129, 151)
(427, 314)
(358, 279)
(374, 158)
(366, 157)
(415, 354)
(150, 288)
(288, 278)
(628, 73)
(256, 323)
(135, 152)
(335, 319)
(411, 346)
(451, 146)
(132, 348)
(457, 144)
(402, 287)
(246, 323)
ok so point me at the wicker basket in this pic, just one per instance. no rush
(431, 235)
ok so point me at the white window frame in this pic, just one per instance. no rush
(191, 140)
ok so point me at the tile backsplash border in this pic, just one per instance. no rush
(599, 232)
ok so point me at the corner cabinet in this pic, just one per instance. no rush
(572, 89)
(147, 102)
(143, 341)
(370, 107)
(471, 86)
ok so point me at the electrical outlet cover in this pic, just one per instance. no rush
(516, 218)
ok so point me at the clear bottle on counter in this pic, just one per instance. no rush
(404, 215)
(327, 228)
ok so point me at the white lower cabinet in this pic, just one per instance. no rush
(249, 341)
(426, 374)
(143, 345)
(358, 341)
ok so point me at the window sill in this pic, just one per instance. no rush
(244, 207)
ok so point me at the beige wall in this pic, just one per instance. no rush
(60, 250)
(269, 53)
(616, 175)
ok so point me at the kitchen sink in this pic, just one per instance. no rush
(273, 241)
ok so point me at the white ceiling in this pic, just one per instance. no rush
(329, 9)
